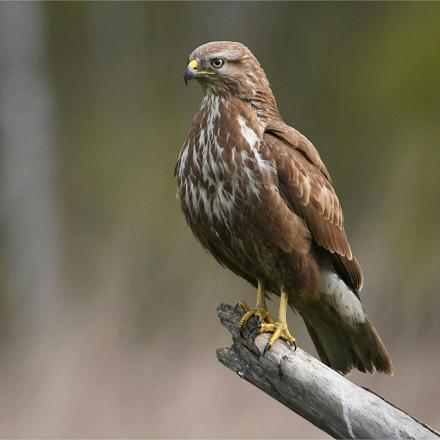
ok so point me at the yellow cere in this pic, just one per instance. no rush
(193, 64)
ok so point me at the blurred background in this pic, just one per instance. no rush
(108, 325)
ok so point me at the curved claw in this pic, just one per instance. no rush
(245, 318)
(267, 347)
(257, 327)
(261, 313)
(279, 330)
(251, 331)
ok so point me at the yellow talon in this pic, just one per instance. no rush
(261, 313)
(245, 318)
(243, 305)
(278, 329)
(260, 310)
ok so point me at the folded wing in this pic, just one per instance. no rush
(307, 188)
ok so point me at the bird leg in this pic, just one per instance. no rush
(260, 310)
(278, 329)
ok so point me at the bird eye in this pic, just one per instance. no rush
(217, 62)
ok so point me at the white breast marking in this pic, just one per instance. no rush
(251, 137)
(183, 157)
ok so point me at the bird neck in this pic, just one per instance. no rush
(260, 99)
(265, 107)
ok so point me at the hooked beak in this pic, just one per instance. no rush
(191, 71)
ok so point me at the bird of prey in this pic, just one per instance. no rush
(258, 197)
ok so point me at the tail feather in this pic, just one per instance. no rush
(340, 330)
(343, 345)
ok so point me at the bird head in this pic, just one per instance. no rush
(226, 67)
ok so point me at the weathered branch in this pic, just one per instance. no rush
(314, 391)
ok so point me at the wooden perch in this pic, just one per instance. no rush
(314, 391)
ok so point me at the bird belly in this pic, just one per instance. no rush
(217, 222)
(230, 228)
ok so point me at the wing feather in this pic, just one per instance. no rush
(306, 184)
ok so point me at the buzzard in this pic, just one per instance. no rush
(258, 197)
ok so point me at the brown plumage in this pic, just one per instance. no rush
(258, 197)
